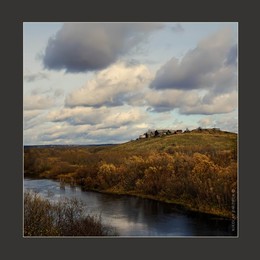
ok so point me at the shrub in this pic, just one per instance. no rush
(131, 171)
(63, 218)
(107, 175)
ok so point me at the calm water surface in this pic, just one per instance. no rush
(132, 216)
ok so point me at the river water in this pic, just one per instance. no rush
(132, 216)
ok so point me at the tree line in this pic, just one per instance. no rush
(201, 178)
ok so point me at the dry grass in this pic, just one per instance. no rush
(63, 218)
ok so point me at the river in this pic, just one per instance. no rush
(133, 216)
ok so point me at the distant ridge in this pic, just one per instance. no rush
(64, 145)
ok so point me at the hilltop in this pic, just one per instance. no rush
(196, 169)
(194, 140)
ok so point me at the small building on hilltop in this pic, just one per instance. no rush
(178, 132)
(161, 132)
(187, 130)
(164, 132)
(150, 133)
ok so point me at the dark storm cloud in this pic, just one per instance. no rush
(80, 47)
(205, 67)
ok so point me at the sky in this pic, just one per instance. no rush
(96, 83)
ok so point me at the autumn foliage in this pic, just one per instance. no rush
(201, 176)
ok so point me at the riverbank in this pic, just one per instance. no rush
(194, 170)
(135, 216)
(179, 204)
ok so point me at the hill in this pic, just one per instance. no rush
(194, 141)
(197, 169)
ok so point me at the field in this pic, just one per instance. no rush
(196, 170)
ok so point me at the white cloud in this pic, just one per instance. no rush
(207, 122)
(36, 102)
(31, 77)
(100, 117)
(113, 86)
(227, 122)
(58, 92)
(223, 103)
(105, 132)
(32, 118)
(177, 28)
(167, 100)
(30, 114)
(38, 91)
(76, 116)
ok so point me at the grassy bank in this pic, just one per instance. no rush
(197, 170)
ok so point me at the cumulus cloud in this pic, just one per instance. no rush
(80, 47)
(64, 134)
(31, 118)
(161, 101)
(190, 102)
(30, 114)
(58, 133)
(37, 102)
(67, 134)
(122, 84)
(224, 103)
(77, 116)
(43, 91)
(227, 122)
(203, 67)
(204, 81)
(115, 135)
(207, 122)
(111, 87)
(101, 117)
(88, 126)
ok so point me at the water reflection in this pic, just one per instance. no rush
(132, 216)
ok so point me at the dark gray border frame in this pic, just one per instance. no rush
(12, 134)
